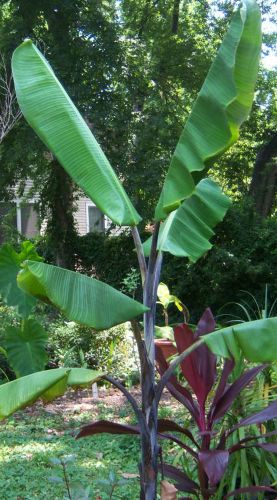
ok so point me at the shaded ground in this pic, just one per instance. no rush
(32, 438)
(84, 401)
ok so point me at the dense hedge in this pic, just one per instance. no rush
(244, 257)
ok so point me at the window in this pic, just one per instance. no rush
(95, 219)
(18, 216)
(29, 221)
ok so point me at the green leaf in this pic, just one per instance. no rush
(26, 347)
(164, 332)
(82, 377)
(186, 231)
(55, 119)
(24, 391)
(256, 340)
(222, 105)
(10, 262)
(47, 385)
(80, 298)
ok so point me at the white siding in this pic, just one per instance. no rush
(80, 215)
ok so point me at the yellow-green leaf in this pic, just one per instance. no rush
(82, 299)
(222, 105)
(53, 116)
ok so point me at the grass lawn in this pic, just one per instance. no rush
(30, 439)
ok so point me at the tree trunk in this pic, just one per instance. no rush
(175, 17)
(60, 225)
(264, 180)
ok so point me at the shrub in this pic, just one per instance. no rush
(71, 344)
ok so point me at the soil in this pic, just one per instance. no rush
(75, 402)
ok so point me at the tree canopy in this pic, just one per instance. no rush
(133, 68)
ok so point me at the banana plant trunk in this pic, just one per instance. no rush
(149, 443)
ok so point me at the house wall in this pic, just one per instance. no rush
(81, 215)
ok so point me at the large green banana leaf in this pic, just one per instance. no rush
(10, 262)
(186, 231)
(46, 385)
(26, 347)
(222, 105)
(80, 298)
(58, 123)
(256, 340)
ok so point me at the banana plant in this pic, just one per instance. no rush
(189, 208)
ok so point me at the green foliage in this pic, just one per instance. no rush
(23, 341)
(100, 256)
(224, 102)
(243, 257)
(210, 129)
(254, 340)
(83, 299)
(247, 309)
(131, 282)
(66, 134)
(10, 265)
(26, 347)
(187, 230)
(75, 490)
(46, 385)
(109, 350)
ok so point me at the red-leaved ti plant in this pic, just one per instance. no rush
(208, 397)
(212, 452)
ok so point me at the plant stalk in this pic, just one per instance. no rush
(140, 254)
(149, 444)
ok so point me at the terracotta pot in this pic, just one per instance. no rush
(167, 347)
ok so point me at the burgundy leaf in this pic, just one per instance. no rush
(106, 426)
(206, 324)
(199, 368)
(258, 418)
(184, 483)
(272, 447)
(249, 489)
(222, 386)
(177, 390)
(224, 403)
(162, 364)
(214, 463)
(184, 397)
(242, 442)
(206, 360)
(184, 338)
(165, 425)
